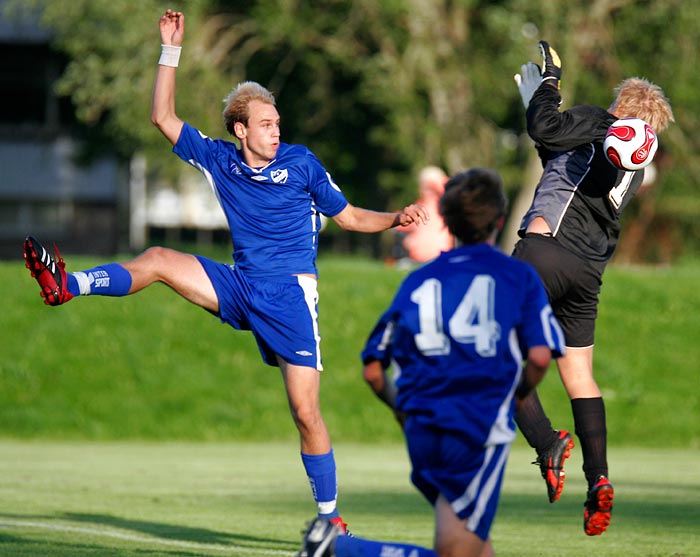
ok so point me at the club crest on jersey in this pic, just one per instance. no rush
(235, 169)
(279, 176)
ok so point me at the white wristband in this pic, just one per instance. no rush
(169, 55)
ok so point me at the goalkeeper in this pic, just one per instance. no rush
(569, 235)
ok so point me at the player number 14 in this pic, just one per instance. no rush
(472, 322)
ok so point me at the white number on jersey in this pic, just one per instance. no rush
(616, 196)
(472, 322)
(431, 340)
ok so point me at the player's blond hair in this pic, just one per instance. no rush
(472, 204)
(636, 97)
(237, 103)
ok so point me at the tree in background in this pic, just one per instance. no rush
(380, 89)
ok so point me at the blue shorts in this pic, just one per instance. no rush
(283, 316)
(468, 477)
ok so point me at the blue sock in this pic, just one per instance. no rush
(350, 546)
(72, 285)
(106, 280)
(324, 484)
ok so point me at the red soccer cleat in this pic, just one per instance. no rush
(551, 463)
(598, 507)
(50, 273)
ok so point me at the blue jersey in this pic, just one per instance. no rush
(455, 336)
(273, 212)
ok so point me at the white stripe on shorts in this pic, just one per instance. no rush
(308, 285)
(482, 491)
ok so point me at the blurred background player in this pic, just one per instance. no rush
(569, 235)
(272, 194)
(425, 242)
(456, 335)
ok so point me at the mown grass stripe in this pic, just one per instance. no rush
(106, 533)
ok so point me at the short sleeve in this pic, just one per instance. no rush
(328, 197)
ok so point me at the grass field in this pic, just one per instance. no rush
(252, 500)
(130, 427)
(152, 366)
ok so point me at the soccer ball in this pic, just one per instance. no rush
(630, 144)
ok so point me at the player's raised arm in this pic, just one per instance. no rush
(172, 30)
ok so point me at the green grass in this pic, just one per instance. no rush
(646, 349)
(136, 499)
(130, 427)
(152, 366)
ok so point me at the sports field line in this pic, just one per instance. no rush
(40, 525)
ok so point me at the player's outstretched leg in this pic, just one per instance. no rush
(319, 539)
(551, 463)
(48, 271)
(598, 507)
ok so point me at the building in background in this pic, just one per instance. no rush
(104, 206)
(43, 189)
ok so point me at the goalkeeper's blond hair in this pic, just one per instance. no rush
(636, 97)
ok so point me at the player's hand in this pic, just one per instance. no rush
(528, 80)
(551, 63)
(172, 28)
(413, 213)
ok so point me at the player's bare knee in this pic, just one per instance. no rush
(158, 255)
(307, 417)
(161, 262)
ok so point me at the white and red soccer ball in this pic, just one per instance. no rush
(630, 144)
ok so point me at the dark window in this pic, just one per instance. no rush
(27, 76)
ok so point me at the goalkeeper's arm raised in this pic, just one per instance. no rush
(531, 76)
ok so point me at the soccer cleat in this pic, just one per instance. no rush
(342, 525)
(598, 507)
(318, 538)
(50, 273)
(551, 463)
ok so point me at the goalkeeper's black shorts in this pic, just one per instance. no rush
(572, 284)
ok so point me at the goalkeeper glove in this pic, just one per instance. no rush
(528, 80)
(550, 63)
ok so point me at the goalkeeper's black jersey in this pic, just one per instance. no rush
(580, 194)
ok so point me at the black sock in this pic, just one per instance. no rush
(589, 420)
(534, 423)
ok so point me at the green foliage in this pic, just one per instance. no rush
(380, 89)
(153, 366)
